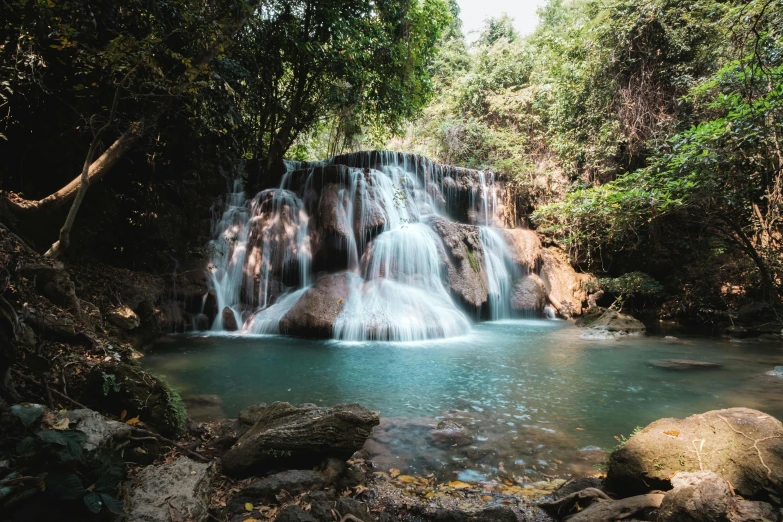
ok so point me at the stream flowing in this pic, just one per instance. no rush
(533, 397)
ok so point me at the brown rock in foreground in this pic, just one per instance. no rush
(304, 435)
(742, 446)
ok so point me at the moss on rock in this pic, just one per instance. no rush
(117, 387)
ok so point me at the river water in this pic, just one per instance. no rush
(533, 397)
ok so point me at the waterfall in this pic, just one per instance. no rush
(359, 213)
(500, 273)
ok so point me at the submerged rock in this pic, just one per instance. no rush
(450, 433)
(176, 491)
(613, 324)
(776, 372)
(305, 435)
(684, 364)
(251, 414)
(265, 490)
(742, 446)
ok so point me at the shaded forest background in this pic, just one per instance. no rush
(643, 137)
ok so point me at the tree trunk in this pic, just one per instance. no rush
(96, 170)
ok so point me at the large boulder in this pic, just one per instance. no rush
(742, 446)
(567, 289)
(117, 387)
(286, 435)
(613, 324)
(463, 258)
(529, 293)
(318, 308)
(524, 246)
(175, 491)
(701, 496)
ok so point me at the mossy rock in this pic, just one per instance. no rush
(116, 387)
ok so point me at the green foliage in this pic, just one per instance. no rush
(632, 284)
(71, 473)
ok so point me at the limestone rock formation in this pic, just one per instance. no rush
(178, 491)
(299, 436)
(529, 294)
(316, 311)
(463, 258)
(98, 430)
(613, 324)
(565, 287)
(525, 248)
(742, 446)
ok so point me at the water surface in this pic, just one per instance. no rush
(534, 397)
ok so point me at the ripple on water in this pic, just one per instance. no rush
(568, 397)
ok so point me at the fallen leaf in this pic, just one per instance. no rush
(248, 506)
(394, 472)
(458, 484)
(131, 422)
(62, 424)
(407, 479)
(123, 415)
(580, 429)
(487, 498)
(672, 433)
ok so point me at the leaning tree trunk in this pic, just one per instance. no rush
(95, 171)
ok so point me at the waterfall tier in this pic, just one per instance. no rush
(375, 245)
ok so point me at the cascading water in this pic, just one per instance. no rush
(366, 220)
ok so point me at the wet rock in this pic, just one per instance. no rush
(251, 414)
(202, 408)
(529, 294)
(565, 287)
(684, 364)
(99, 431)
(450, 433)
(202, 322)
(229, 320)
(316, 311)
(265, 490)
(211, 306)
(123, 318)
(724, 443)
(294, 514)
(613, 324)
(178, 491)
(463, 258)
(701, 496)
(303, 435)
(487, 515)
(117, 387)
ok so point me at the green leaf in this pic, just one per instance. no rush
(65, 485)
(29, 414)
(112, 504)
(27, 447)
(93, 502)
